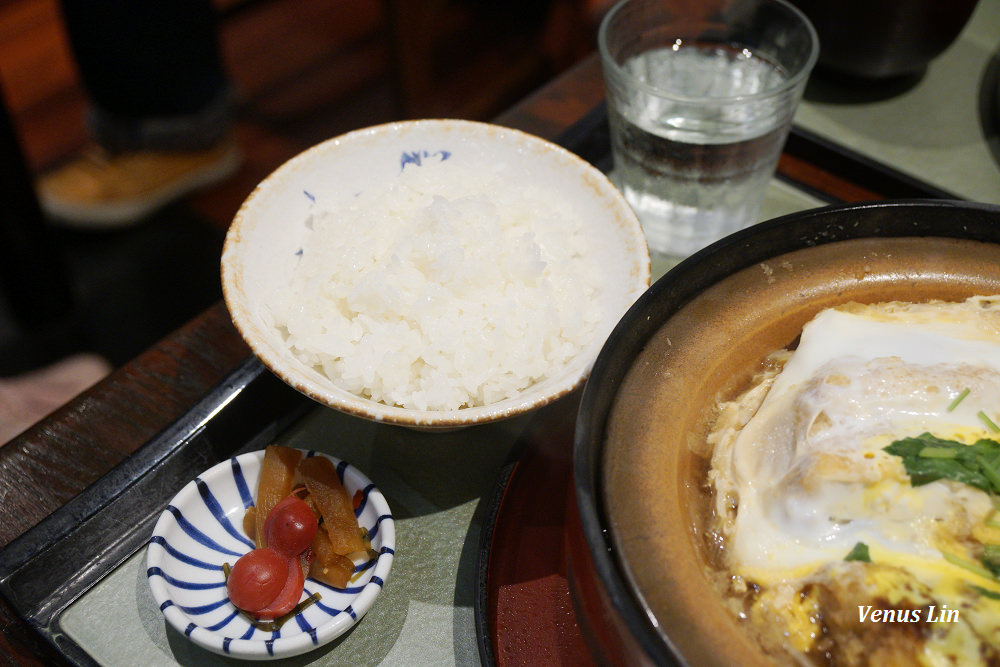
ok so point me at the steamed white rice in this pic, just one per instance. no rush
(446, 289)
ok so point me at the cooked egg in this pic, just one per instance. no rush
(807, 473)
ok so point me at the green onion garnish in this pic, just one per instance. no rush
(968, 565)
(991, 553)
(958, 399)
(938, 453)
(985, 592)
(988, 471)
(860, 553)
(989, 422)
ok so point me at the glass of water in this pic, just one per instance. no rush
(701, 95)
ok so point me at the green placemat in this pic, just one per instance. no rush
(931, 131)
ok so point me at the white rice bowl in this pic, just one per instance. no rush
(433, 273)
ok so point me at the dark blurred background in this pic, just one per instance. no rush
(306, 70)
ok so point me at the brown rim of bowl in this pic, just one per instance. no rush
(617, 549)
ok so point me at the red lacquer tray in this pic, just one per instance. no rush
(526, 613)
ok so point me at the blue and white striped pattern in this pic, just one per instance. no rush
(201, 529)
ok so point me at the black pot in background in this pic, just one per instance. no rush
(877, 39)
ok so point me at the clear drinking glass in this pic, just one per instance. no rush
(701, 95)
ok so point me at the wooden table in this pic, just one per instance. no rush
(57, 458)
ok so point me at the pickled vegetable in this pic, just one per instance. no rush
(257, 579)
(277, 479)
(290, 527)
(250, 523)
(289, 595)
(334, 503)
(303, 524)
(327, 565)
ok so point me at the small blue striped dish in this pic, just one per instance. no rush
(201, 529)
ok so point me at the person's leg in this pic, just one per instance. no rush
(150, 67)
(160, 110)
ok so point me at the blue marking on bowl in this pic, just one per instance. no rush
(418, 157)
(224, 622)
(351, 590)
(180, 583)
(198, 610)
(181, 556)
(240, 479)
(198, 536)
(220, 515)
(300, 620)
(327, 609)
(378, 524)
